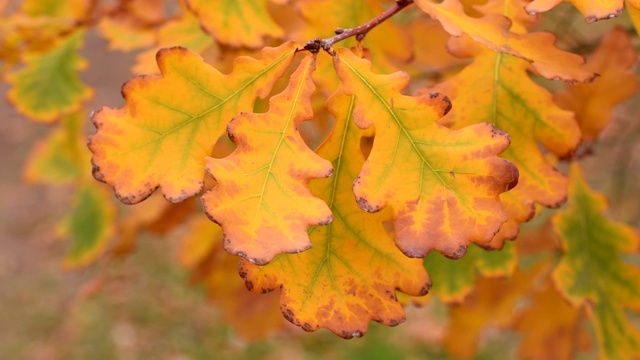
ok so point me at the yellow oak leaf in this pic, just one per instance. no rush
(250, 315)
(62, 157)
(170, 123)
(48, 86)
(593, 10)
(492, 30)
(236, 23)
(592, 273)
(593, 103)
(262, 201)
(89, 225)
(184, 31)
(504, 95)
(75, 10)
(633, 8)
(387, 43)
(125, 34)
(442, 185)
(350, 275)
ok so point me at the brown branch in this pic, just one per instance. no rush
(359, 32)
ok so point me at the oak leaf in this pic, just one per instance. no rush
(633, 9)
(262, 201)
(62, 157)
(49, 86)
(441, 185)
(236, 23)
(593, 103)
(492, 303)
(388, 44)
(492, 30)
(504, 95)
(593, 10)
(454, 279)
(250, 315)
(551, 328)
(171, 121)
(592, 273)
(350, 275)
(184, 31)
(89, 225)
(73, 10)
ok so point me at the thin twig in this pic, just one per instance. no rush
(359, 32)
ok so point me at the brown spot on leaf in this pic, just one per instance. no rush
(248, 284)
(425, 289)
(364, 205)
(462, 250)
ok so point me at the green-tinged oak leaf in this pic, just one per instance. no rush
(593, 103)
(171, 122)
(442, 185)
(62, 157)
(593, 10)
(493, 31)
(453, 280)
(89, 225)
(48, 86)
(236, 23)
(350, 275)
(251, 316)
(262, 200)
(504, 95)
(592, 273)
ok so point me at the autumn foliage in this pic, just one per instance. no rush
(354, 156)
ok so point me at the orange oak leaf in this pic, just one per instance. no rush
(551, 328)
(493, 31)
(236, 23)
(155, 215)
(262, 201)
(171, 121)
(593, 103)
(505, 95)
(492, 303)
(593, 10)
(350, 275)
(593, 273)
(441, 185)
(250, 315)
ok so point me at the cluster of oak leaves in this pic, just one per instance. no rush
(345, 232)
